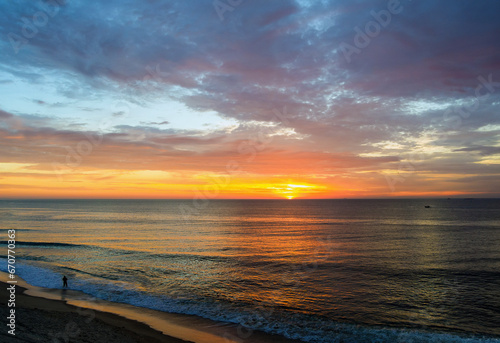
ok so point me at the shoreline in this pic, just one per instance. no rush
(43, 320)
(44, 314)
(65, 315)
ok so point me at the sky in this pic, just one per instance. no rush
(249, 99)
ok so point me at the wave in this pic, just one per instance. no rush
(274, 320)
(48, 244)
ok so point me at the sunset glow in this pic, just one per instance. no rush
(171, 100)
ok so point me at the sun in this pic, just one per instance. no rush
(293, 190)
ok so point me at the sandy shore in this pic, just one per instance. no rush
(44, 320)
(57, 315)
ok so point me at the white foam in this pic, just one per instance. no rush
(291, 325)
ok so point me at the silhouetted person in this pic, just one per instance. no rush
(65, 281)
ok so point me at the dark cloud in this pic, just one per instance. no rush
(260, 44)
(5, 115)
(414, 84)
(483, 150)
(158, 123)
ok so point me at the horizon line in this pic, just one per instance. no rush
(284, 199)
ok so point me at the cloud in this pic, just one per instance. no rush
(413, 85)
(5, 115)
(483, 150)
(263, 48)
(165, 122)
(138, 147)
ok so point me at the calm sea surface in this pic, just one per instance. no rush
(315, 270)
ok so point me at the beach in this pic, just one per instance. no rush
(44, 320)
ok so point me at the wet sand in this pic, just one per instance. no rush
(59, 315)
(44, 320)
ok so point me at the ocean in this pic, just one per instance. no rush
(314, 270)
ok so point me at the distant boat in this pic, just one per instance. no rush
(427, 206)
